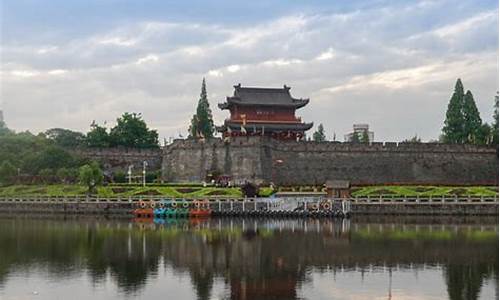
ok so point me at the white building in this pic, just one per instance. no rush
(360, 130)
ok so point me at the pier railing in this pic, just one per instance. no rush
(382, 199)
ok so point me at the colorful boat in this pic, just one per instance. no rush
(201, 209)
(173, 209)
(143, 213)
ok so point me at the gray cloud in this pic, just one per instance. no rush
(378, 66)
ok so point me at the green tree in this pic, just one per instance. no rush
(319, 135)
(355, 138)
(472, 120)
(494, 126)
(453, 130)
(120, 177)
(98, 136)
(7, 171)
(91, 176)
(46, 175)
(51, 157)
(132, 131)
(65, 137)
(202, 124)
(365, 138)
(414, 139)
(484, 135)
(63, 174)
(4, 130)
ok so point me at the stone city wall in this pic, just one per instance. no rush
(119, 159)
(264, 160)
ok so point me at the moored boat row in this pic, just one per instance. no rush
(202, 209)
(173, 209)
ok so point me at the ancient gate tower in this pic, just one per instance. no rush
(265, 112)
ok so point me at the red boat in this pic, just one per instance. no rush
(201, 210)
(143, 213)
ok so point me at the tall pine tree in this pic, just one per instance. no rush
(472, 120)
(453, 130)
(494, 126)
(319, 135)
(202, 124)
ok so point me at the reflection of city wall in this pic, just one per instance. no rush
(247, 253)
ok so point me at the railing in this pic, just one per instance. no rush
(383, 199)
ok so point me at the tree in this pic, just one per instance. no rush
(484, 135)
(453, 130)
(91, 176)
(319, 135)
(365, 138)
(52, 157)
(63, 174)
(97, 137)
(355, 138)
(472, 120)
(46, 175)
(7, 171)
(494, 126)
(4, 130)
(202, 124)
(65, 137)
(414, 139)
(132, 131)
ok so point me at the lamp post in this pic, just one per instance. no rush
(129, 173)
(144, 165)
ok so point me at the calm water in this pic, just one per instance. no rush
(95, 258)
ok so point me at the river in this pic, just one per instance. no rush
(57, 257)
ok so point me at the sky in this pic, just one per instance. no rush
(390, 64)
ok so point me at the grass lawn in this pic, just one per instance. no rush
(425, 191)
(200, 191)
(112, 191)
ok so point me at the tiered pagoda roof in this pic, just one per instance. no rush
(263, 111)
(278, 97)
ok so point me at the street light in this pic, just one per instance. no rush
(144, 165)
(129, 173)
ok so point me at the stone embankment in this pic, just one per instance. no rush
(249, 206)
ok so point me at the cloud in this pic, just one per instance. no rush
(57, 72)
(233, 68)
(358, 65)
(328, 54)
(148, 58)
(118, 41)
(24, 73)
(46, 50)
(458, 28)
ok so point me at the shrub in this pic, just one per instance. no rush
(7, 172)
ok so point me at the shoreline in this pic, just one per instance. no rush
(255, 207)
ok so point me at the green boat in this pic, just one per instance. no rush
(177, 212)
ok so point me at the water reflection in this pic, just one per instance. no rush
(255, 259)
